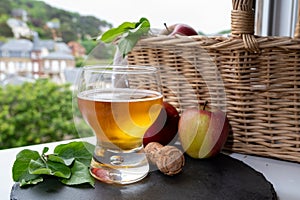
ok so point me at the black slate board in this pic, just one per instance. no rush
(218, 178)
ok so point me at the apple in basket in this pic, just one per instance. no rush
(164, 129)
(203, 133)
(178, 29)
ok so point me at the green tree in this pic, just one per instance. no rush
(89, 45)
(5, 6)
(79, 61)
(35, 113)
(5, 30)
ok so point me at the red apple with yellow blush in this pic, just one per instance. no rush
(203, 133)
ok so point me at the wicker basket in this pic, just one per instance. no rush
(256, 80)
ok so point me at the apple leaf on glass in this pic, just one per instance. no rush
(127, 34)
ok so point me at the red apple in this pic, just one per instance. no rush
(203, 133)
(180, 29)
(164, 129)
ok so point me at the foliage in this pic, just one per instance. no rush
(5, 7)
(71, 24)
(201, 33)
(127, 33)
(5, 30)
(2, 38)
(224, 32)
(89, 45)
(98, 50)
(69, 163)
(34, 113)
(79, 61)
(103, 51)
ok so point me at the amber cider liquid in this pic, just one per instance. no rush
(119, 117)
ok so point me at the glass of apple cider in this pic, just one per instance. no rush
(119, 103)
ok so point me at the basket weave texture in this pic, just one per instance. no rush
(254, 79)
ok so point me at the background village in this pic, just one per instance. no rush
(23, 59)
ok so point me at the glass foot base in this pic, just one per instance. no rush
(119, 170)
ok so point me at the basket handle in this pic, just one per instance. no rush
(243, 19)
(297, 29)
(242, 23)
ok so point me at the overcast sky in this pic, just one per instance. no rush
(208, 16)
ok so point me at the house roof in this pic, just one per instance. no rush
(48, 44)
(62, 47)
(63, 52)
(40, 44)
(17, 45)
(59, 55)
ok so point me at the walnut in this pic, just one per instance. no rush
(168, 159)
(151, 150)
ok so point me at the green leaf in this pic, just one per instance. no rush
(59, 169)
(56, 158)
(113, 33)
(45, 150)
(20, 169)
(49, 168)
(80, 151)
(129, 33)
(70, 162)
(80, 175)
(38, 167)
(31, 182)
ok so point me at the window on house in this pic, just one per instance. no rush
(11, 67)
(33, 55)
(55, 66)
(46, 64)
(18, 66)
(29, 66)
(35, 67)
(2, 66)
(63, 65)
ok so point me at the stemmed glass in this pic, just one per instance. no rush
(119, 103)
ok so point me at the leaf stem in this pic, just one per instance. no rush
(165, 24)
(205, 103)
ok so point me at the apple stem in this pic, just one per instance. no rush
(165, 24)
(205, 103)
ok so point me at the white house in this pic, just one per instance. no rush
(34, 59)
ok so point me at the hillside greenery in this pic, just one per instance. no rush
(73, 26)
